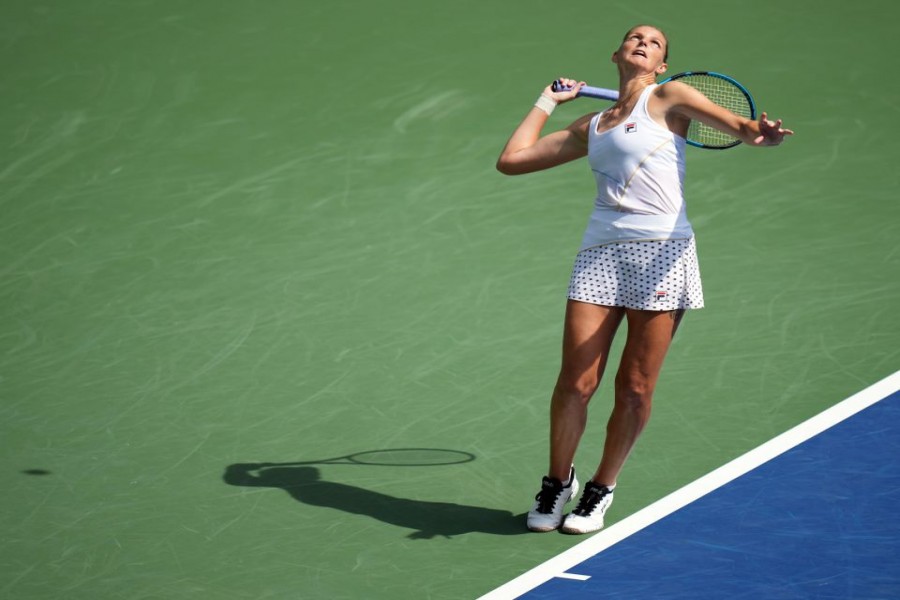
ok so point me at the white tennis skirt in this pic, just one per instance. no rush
(657, 275)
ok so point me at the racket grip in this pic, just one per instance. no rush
(588, 91)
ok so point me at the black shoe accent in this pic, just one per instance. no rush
(593, 494)
(551, 488)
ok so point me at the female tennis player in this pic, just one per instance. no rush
(637, 261)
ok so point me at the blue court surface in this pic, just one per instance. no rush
(813, 514)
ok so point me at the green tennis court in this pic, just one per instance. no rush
(237, 233)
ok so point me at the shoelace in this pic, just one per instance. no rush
(546, 498)
(593, 494)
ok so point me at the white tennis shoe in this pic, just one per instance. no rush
(547, 512)
(588, 515)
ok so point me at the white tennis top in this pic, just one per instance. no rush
(639, 167)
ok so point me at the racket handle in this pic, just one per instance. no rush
(589, 91)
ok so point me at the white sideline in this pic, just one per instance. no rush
(558, 565)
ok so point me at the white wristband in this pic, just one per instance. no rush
(546, 104)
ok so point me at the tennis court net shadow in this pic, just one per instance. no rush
(427, 519)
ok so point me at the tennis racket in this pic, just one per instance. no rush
(721, 89)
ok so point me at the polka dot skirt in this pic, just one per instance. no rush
(657, 275)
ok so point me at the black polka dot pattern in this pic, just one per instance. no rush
(656, 275)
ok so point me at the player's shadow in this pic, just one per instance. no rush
(427, 519)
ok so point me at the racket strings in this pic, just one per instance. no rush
(725, 94)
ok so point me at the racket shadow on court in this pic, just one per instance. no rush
(427, 519)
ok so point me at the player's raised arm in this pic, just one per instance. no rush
(685, 101)
(528, 151)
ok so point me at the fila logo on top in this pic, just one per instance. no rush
(630, 127)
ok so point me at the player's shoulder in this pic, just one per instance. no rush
(672, 88)
(676, 93)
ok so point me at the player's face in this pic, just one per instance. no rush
(643, 47)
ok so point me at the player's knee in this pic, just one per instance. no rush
(576, 389)
(634, 392)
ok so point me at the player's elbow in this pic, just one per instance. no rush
(503, 166)
(508, 167)
(505, 169)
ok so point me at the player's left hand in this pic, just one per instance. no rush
(771, 133)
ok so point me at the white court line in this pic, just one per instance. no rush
(574, 576)
(557, 566)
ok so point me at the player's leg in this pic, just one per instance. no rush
(649, 337)
(587, 336)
